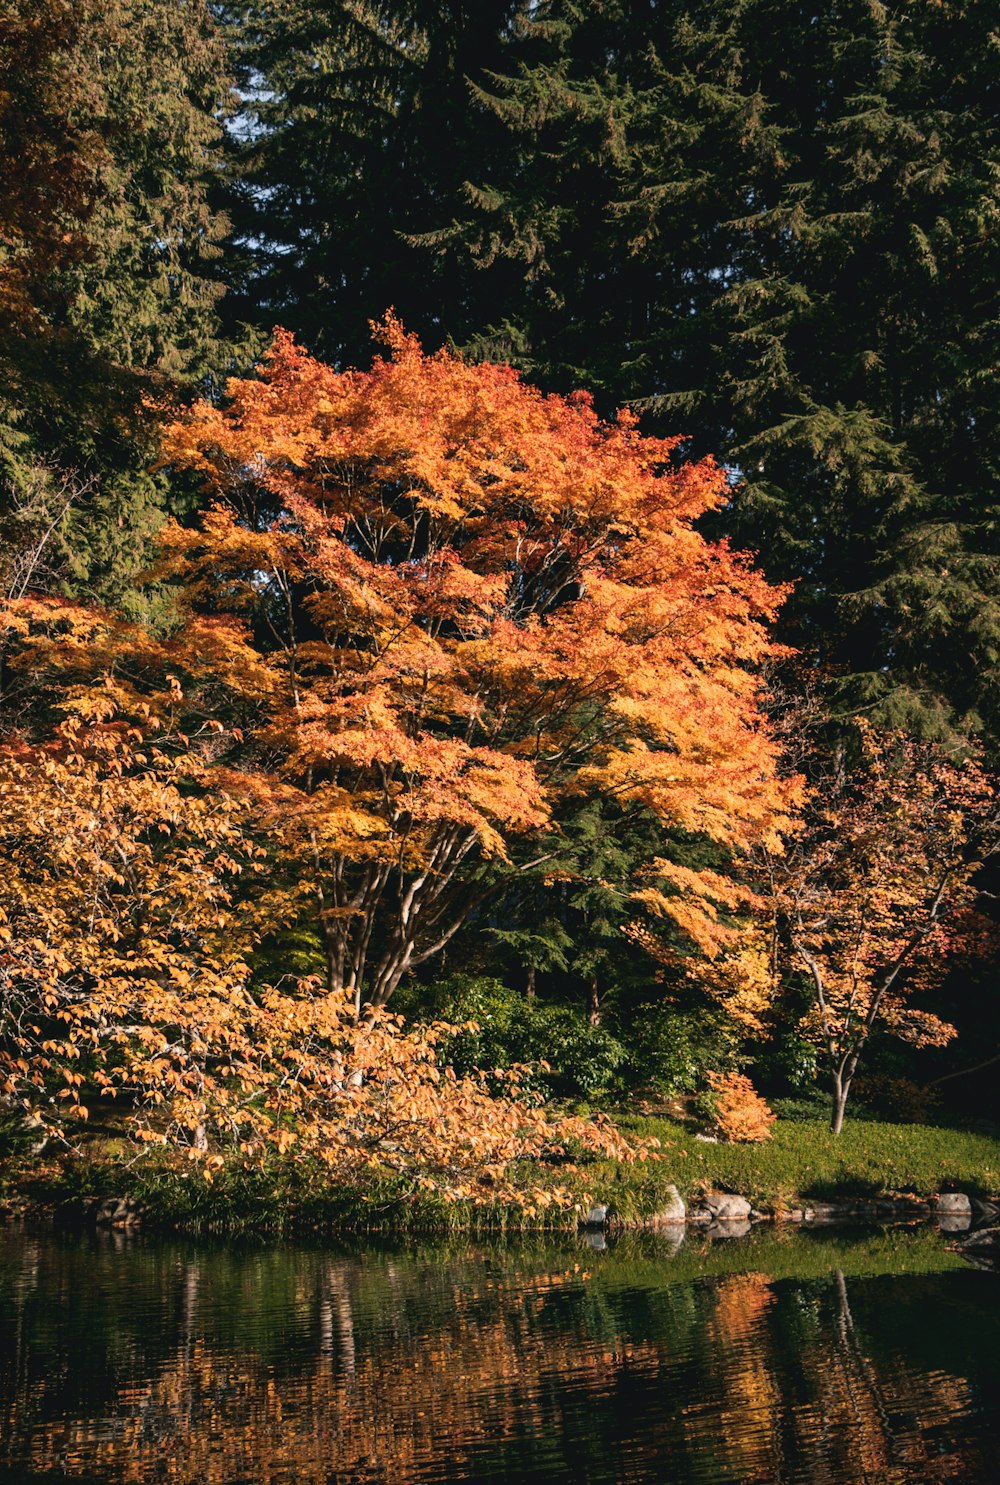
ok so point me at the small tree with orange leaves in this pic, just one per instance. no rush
(741, 1115)
(875, 894)
(437, 604)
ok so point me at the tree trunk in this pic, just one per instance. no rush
(841, 1088)
(593, 1005)
(530, 986)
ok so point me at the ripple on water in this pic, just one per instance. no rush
(802, 1361)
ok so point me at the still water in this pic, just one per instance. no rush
(802, 1358)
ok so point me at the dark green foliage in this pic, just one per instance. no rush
(568, 1057)
(567, 921)
(656, 1046)
(670, 1048)
(358, 128)
(774, 227)
(109, 271)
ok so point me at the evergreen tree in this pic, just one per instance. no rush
(111, 127)
(774, 226)
(359, 128)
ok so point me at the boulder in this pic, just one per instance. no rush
(117, 1211)
(596, 1216)
(105, 1213)
(722, 1207)
(952, 1204)
(672, 1209)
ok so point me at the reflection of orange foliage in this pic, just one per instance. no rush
(741, 1115)
(393, 1369)
(750, 1394)
(352, 1411)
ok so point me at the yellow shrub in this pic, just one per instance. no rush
(741, 1115)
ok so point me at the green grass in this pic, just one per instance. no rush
(803, 1163)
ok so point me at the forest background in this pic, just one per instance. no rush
(768, 227)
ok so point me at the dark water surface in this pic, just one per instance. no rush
(805, 1358)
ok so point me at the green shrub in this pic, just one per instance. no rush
(568, 1057)
(671, 1052)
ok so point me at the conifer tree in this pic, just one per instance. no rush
(774, 226)
(111, 127)
(359, 128)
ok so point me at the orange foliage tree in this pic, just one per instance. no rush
(876, 893)
(123, 976)
(741, 1115)
(430, 604)
(427, 608)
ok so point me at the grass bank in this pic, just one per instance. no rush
(802, 1163)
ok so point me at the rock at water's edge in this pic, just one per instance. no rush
(952, 1204)
(595, 1217)
(722, 1207)
(672, 1210)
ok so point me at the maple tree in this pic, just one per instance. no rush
(877, 892)
(124, 976)
(431, 604)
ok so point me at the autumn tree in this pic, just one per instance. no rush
(124, 976)
(877, 892)
(427, 606)
(442, 603)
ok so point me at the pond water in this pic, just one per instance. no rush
(812, 1357)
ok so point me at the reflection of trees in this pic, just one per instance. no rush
(311, 1368)
(879, 1423)
(353, 1402)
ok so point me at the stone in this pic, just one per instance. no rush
(723, 1231)
(707, 1139)
(594, 1239)
(105, 1213)
(958, 1222)
(953, 1204)
(672, 1210)
(596, 1216)
(117, 1211)
(722, 1207)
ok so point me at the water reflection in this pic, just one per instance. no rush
(130, 1360)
